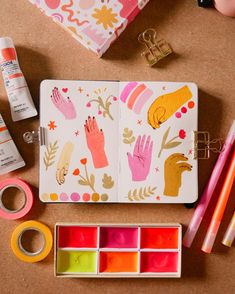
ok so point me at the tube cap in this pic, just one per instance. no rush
(6, 42)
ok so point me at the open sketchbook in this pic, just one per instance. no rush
(110, 141)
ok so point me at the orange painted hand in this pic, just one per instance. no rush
(173, 169)
(95, 143)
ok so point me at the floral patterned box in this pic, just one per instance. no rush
(94, 23)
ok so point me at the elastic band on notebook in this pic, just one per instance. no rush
(135, 95)
(127, 90)
(142, 100)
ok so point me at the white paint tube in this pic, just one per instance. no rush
(21, 102)
(10, 158)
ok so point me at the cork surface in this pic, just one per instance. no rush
(204, 44)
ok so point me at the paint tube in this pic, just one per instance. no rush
(10, 158)
(21, 102)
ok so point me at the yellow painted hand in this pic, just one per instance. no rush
(166, 105)
(63, 163)
(175, 165)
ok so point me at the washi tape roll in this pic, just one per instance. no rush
(28, 198)
(21, 252)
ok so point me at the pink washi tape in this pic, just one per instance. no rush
(28, 198)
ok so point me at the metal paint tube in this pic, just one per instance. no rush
(10, 158)
(21, 102)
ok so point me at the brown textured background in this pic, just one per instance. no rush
(204, 45)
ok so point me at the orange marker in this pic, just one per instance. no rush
(220, 207)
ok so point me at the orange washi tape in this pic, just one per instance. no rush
(28, 198)
(22, 253)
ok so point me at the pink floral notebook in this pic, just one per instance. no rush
(94, 23)
(111, 141)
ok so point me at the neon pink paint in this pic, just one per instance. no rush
(127, 90)
(160, 262)
(77, 237)
(118, 237)
(178, 114)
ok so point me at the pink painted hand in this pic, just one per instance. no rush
(65, 106)
(95, 143)
(140, 161)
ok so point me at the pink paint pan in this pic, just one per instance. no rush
(118, 237)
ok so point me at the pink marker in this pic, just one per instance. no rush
(208, 191)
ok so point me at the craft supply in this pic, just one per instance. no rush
(230, 233)
(16, 241)
(220, 207)
(226, 7)
(21, 102)
(10, 158)
(118, 250)
(94, 24)
(203, 145)
(28, 198)
(155, 49)
(148, 133)
(209, 189)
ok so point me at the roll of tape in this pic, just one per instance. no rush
(23, 254)
(28, 198)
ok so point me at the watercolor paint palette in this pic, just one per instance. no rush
(118, 250)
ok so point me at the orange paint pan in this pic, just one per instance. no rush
(120, 262)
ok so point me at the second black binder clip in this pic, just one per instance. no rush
(156, 49)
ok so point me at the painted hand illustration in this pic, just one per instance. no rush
(174, 167)
(166, 105)
(140, 161)
(95, 143)
(65, 106)
(63, 163)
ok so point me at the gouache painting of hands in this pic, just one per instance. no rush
(64, 162)
(140, 160)
(156, 126)
(95, 142)
(64, 105)
(175, 166)
(125, 158)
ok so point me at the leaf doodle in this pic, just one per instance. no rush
(87, 180)
(103, 104)
(171, 143)
(50, 154)
(108, 182)
(141, 194)
(92, 180)
(82, 182)
(128, 137)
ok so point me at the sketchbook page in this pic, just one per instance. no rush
(79, 163)
(157, 121)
